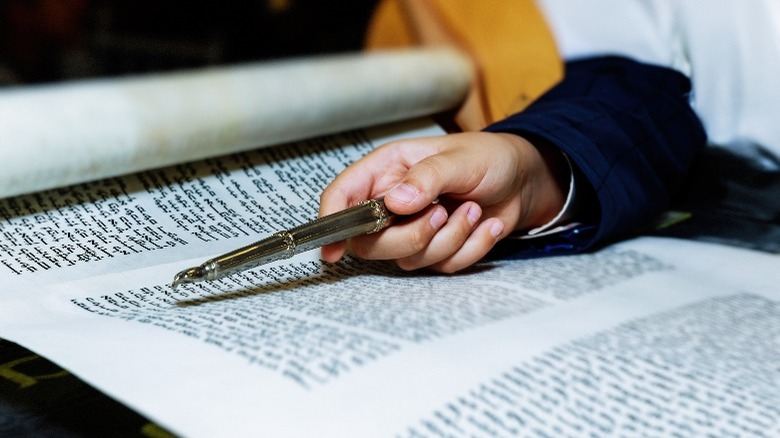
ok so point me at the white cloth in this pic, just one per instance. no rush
(729, 48)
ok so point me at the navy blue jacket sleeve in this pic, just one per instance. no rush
(628, 128)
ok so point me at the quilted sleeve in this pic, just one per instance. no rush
(631, 134)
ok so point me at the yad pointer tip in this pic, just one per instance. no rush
(190, 275)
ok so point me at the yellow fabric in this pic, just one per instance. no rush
(512, 48)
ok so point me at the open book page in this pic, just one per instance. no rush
(651, 336)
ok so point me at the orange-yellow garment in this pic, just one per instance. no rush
(512, 48)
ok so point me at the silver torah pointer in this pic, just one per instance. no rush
(365, 218)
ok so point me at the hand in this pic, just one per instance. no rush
(488, 185)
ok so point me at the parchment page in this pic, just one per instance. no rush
(651, 336)
(639, 338)
(194, 209)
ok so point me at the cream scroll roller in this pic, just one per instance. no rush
(56, 135)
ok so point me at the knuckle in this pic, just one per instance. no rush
(447, 268)
(333, 190)
(418, 240)
(360, 249)
(463, 233)
(434, 166)
(326, 192)
(406, 264)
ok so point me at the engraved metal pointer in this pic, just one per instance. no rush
(367, 217)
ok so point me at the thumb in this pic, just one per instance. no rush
(425, 181)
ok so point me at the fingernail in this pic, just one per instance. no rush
(438, 218)
(496, 229)
(474, 214)
(403, 193)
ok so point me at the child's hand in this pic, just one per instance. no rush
(488, 184)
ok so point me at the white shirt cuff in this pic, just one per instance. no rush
(562, 221)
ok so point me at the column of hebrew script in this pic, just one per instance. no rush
(181, 211)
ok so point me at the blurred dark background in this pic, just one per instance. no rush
(55, 40)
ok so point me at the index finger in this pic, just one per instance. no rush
(373, 174)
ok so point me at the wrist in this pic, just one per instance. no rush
(545, 191)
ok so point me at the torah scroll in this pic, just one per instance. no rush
(62, 134)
